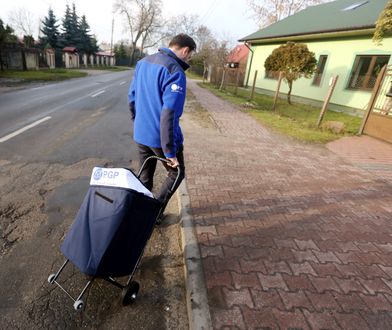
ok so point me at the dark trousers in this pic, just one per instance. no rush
(147, 176)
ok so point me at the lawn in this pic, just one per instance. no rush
(297, 120)
(193, 75)
(42, 75)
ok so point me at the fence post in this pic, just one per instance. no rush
(327, 99)
(281, 75)
(253, 87)
(237, 81)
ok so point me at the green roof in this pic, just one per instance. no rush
(340, 15)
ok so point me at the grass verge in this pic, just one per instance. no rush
(297, 120)
(192, 75)
(42, 75)
(107, 68)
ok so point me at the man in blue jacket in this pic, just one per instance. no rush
(156, 102)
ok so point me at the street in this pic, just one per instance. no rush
(51, 137)
(83, 118)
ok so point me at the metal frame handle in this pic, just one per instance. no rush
(163, 160)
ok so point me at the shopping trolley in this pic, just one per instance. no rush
(111, 230)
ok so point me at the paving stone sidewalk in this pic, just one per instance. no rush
(366, 152)
(291, 235)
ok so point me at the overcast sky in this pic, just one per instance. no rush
(228, 19)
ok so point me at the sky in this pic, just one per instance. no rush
(227, 19)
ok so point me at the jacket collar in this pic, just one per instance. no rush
(170, 53)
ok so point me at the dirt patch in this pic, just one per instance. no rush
(197, 113)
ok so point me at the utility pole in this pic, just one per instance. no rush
(111, 40)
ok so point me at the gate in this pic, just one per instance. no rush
(378, 119)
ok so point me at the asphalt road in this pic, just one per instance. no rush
(51, 136)
(81, 118)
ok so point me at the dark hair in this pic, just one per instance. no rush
(183, 40)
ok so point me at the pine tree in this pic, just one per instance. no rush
(94, 45)
(6, 36)
(76, 32)
(70, 36)
(50, 31)
(120, 51)
(85, 43)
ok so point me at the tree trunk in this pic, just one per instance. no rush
(133, 52)
(290, 83)
(205, 69)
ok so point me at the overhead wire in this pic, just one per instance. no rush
(209, 11)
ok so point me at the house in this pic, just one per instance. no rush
(238, 57)
(235, 67)
(340, 34)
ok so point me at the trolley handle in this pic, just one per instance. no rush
(163, 160)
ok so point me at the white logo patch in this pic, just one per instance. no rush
(176, 89)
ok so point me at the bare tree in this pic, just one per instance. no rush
(205, 41)
(182, 23)
(211, 52)
(152, 34)
(267, 12)
(141, 17)
(23, 22)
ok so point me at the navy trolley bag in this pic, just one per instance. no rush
(111, 230)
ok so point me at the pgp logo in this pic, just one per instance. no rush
(176, 88)
(97, 174)
(110, 174)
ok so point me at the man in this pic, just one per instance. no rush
(156, 102)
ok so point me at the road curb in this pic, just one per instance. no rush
(196, 290)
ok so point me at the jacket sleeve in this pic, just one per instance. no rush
(131, 96)
(174, 92)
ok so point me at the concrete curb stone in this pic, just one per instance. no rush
(196, 290)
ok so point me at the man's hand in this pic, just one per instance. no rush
(173, 162)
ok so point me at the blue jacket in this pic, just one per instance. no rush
(156, 100)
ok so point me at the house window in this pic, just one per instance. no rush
(365, 71)
(320, 70)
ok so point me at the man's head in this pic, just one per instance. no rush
(183, 46)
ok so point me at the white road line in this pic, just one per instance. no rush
(20, 131)
(98, 93)
(122, 83)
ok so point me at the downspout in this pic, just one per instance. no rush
(250, 62)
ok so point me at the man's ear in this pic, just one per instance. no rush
(186, 51)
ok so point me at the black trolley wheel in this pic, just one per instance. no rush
(129, 293)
